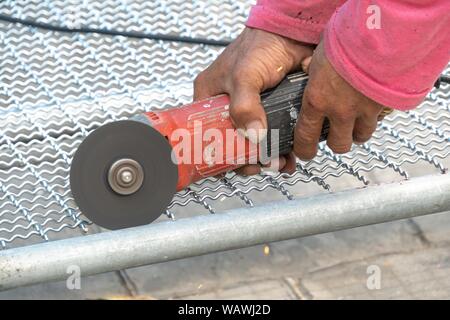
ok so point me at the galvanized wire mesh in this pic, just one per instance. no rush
(57, 87)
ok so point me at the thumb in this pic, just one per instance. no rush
(306, 63)
(247, 112)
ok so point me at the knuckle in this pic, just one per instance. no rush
(343, 116)
(340, 148)
(240, 76)
(315, 99)
(240, 112)
(240, 109)
(303, 137)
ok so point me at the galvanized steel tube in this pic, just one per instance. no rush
(229, 230)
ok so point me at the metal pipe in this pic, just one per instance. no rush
(233, 229)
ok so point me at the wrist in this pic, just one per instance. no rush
(274, 20)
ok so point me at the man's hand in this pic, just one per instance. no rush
(353, 116)
(255, 61)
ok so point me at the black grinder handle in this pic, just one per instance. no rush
(282, 105)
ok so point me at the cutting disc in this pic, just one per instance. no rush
(141, 157)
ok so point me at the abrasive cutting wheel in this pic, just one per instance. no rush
(122, 175)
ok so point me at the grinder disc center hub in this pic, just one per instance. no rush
(125, 176)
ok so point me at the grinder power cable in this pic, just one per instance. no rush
(126, 173)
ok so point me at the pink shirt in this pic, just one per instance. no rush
(390, 50)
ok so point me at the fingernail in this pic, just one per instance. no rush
(242, 132)
(268, 172)
(281, 162)
(305, 64)
(275, 165)
(255, 131)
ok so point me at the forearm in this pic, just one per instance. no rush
(301, 20)
(397, 63)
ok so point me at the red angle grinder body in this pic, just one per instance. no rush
(126, 173)
(204, 141)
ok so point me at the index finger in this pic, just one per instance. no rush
(208, 83)
(307, 131)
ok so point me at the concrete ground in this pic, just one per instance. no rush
(407, 259)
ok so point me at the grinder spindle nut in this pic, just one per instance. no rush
(125, 176)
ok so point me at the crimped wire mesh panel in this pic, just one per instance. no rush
(57, 87)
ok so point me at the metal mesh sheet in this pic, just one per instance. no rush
(57, 87)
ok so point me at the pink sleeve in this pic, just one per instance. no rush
(397, 63)
(301, 20)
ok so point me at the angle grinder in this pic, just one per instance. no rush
(126, 173)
